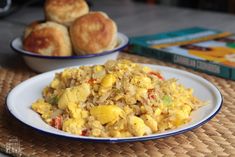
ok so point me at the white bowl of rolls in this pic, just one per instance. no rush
(70, 36)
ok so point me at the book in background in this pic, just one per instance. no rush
(203, 49)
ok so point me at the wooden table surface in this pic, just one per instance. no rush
(132, 19)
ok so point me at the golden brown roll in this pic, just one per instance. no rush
(47, 38)
(65, 11)
(30, 27)
(93, 33)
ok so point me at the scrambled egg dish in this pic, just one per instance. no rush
(117, 99)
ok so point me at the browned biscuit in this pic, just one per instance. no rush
(65, 11)
(93, 33)
(49, 38)
(30, 27)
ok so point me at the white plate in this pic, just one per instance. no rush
(22, 96)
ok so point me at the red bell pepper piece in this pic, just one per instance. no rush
(57, 122)
(156, 74)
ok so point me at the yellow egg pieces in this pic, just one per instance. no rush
(117, 99)
(107, 113)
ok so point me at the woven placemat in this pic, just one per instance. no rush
(215, 138)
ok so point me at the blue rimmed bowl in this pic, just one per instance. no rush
(42, 63)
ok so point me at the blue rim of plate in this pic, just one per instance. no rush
(122, 140)
(122, 39)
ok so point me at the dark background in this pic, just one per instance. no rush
(226, 6)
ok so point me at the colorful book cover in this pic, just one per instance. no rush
(203, 49)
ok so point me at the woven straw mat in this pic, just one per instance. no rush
(215, 138)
